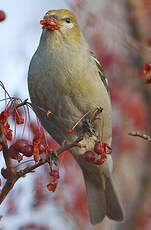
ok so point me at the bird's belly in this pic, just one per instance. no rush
(68, 99)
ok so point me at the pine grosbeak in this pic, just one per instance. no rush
(66, 78)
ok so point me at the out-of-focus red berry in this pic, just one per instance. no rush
(149, 41)
(147, 72)
(2, 15)
(1, 148)
(147, 68)
(148, 81)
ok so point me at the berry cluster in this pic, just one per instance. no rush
(100, 149)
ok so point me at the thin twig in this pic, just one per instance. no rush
(13, 174)
(22, 103)
(142, 135)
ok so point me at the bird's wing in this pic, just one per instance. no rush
(100, 70)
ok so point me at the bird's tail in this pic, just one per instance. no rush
(102, 200)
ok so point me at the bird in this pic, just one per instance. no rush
(66, 78)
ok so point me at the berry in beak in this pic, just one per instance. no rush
(50, 24)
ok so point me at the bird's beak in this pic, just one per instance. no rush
(49, 24)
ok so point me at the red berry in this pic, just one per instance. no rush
(4, 173)
(55, 174)
(89, 156)
(102, 148)
(19, 120)
(8, 134)
(27, 150)
(99, 147)
(101, 160)
(52, 186)
(14, 154)
(2, 15)
(1, 148)
(20, 144)
(70, 130)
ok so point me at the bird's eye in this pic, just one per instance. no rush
(68, 20)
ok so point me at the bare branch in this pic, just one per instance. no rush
(14, 176)
(141, 135)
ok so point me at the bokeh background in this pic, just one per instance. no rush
(119, 34)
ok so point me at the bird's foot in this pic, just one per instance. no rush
(96, 114)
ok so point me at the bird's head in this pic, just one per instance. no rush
(62, 22)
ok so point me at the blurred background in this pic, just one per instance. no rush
(119, 34)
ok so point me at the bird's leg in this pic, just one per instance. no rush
(87, 125)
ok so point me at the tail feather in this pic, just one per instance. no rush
(102, 200)
(96, 202)
(113, 207)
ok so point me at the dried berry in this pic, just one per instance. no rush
(19, 120)
(52, 186)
